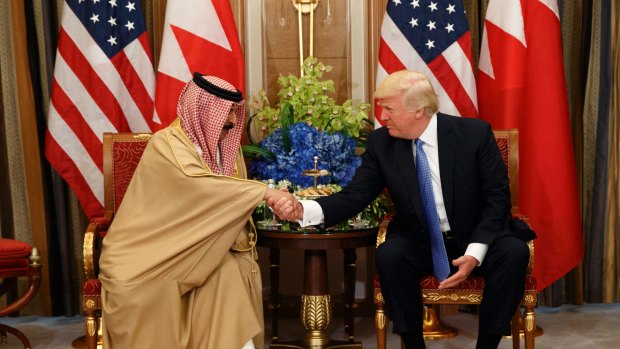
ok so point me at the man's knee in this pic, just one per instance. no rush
(513, 252)
(388, 255)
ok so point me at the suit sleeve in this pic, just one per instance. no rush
(366, 185)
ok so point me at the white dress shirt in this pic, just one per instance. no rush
(313, 213)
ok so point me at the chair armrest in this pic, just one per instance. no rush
(95, 231)
(382, 232)
(530, 244)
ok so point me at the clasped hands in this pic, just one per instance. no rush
(284, 205)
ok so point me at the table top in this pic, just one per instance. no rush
(316, 239)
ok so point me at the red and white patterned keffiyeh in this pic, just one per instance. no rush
(203, 115)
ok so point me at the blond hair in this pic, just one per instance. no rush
(415, 87)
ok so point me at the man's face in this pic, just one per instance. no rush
(231, 121)
(400, 122)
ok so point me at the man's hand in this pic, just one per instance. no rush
(284, 205)
(465, 264)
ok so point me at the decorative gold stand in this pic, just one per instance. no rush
(315, 172)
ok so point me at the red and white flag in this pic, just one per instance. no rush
(431, 38)
(103, 82)
(199, 36)
(521, 85)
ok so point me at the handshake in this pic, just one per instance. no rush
(284, 205)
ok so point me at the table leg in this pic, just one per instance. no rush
(316, 310)
(274, 296)
(350, 257)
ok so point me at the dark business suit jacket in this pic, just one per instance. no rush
(473, 179)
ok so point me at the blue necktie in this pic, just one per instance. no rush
(441, 266)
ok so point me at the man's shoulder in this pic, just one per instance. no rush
(380, 138)
(380, 132)
(463, 125)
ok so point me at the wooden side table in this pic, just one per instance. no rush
(316, 308)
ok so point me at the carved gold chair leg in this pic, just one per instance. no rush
(91, 331)
(530, 328)
(433, 327)
(380, 324)
(381, 327)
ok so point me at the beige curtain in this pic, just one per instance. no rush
(22, 145)
(612, 231)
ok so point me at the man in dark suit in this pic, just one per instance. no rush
(470, 194)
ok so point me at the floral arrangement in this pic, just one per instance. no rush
(335, 151)
(306, 122)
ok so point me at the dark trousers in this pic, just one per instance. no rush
(401, 261)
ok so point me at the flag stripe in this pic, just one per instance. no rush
(82, 100)
(452, 60)
(56, 155)
(126, 61)
(72, 147)
(460, 61)
(65, 108)
(80, 81)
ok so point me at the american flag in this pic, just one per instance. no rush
(103, 82)
(432, 37)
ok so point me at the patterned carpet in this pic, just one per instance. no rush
(592, 326)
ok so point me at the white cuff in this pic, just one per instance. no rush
(477, 250)
(313, 213)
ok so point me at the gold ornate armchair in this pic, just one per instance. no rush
(121, 154)
(470, 291)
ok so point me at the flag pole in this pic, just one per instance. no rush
(305, 6)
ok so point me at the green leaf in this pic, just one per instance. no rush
(286, 120)
(251, 151)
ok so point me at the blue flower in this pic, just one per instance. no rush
(336, 153)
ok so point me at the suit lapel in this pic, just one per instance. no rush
(447, 152)
(404, 157)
